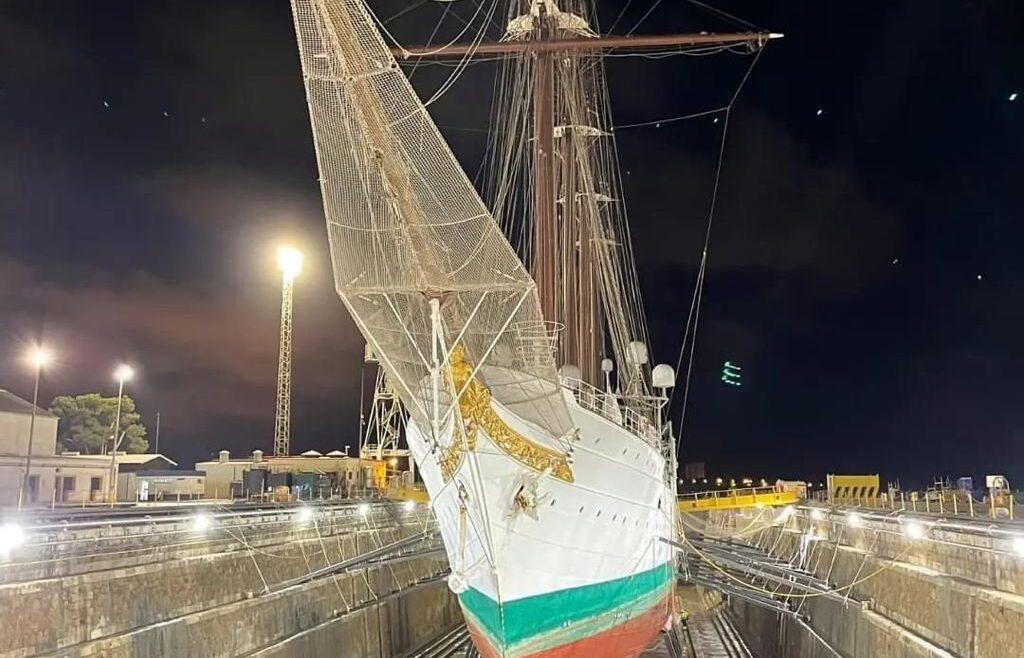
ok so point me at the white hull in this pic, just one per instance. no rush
(602, 526)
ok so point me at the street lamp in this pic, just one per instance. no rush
(122, 374)
(38, 357)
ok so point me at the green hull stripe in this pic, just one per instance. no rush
(515, 621)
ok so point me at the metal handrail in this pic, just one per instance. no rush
(735, 498)
(593, 399)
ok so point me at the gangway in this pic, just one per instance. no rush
(729, 499)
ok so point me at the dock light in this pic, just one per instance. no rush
(913, 530)
(1018, 545)
(718, 481)
(409, 505)
(11, 537)
(39, 357)
(363, 509)
(202, 522)
(818, 514)
(854, 520)
(304, 514)
(289, 261)
(124, 373)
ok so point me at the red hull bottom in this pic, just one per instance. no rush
(627, 640)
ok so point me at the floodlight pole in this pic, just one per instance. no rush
(114, 444)
(31, 435)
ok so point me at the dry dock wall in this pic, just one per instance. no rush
(953, 595)
(224, 594)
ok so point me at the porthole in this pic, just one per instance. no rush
(552, 502)
(599, 513)
(581, 509)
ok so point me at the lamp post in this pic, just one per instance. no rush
(38, 357)
(123, 374)
(289, 261)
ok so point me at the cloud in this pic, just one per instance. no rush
(201, 358)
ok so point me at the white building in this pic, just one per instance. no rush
(54, 478)
(153, 477)
(226, 476)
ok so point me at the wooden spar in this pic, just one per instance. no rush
(571, 45)
(545, 262)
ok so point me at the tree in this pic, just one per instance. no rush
(87, 423)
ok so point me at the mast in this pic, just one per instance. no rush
(572, 236)
(545, 237)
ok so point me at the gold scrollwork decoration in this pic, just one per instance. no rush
(477, 413)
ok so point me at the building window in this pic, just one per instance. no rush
(95, 484)
(33, 488)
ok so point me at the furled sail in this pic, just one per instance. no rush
(418, 260)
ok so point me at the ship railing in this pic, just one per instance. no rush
(607, 406)
(537, 341)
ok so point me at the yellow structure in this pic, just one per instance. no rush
(402, 487)
(706, 501)
(853, 489)
(416, 494)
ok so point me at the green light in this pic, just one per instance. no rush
(731, 373)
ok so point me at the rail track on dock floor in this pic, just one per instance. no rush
(712, 634)
(455, 643)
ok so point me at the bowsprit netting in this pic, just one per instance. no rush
(406, 227)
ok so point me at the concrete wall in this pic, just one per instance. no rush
(401, 623)
(124, 593)
(829, 627)
(264, 623)
(954, 594)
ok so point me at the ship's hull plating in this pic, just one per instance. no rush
(580, 574)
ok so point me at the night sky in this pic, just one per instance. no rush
(864, 270)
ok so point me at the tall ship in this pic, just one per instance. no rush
(512, 331)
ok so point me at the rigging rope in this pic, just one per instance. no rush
(464, 62)
(403, 12)
(714, 11)
(619, 17)
(699, 286)
(644, 17)
(774, 593)
(683, 117)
